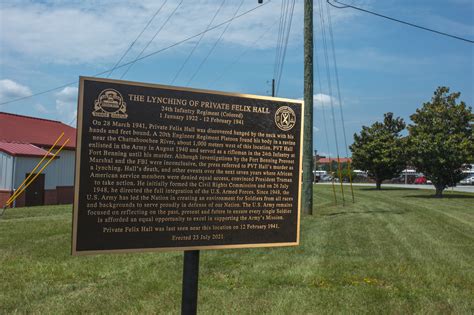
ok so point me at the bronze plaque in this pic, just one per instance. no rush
(168, 168)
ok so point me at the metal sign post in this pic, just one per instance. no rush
(190, 282)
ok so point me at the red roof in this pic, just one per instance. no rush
(328, 160)
(22, 149)
(37, 131)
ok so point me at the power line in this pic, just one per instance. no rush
(397, 20)
(153, 38)
(135, 40)
(284, 29)
(229, 66)
(284, 49)
(72, 120)
(328, 73)
(281, 26)
(42, 92)
(282, 36)
(322, 103)
(336, 74)
(318, 73)
(214, 46)
(197, 43)
(325, 125)
(142, 57)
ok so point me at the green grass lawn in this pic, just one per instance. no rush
(394, 251)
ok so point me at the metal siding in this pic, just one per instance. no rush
(24, 165)
(65, 166)
(60, 172)
(6, 171)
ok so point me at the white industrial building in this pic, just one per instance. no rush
(23, 142)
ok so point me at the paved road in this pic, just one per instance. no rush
(463, 188)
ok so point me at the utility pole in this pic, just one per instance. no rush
(307, 193)
(273, 87)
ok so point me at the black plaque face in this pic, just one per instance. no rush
(167, 168)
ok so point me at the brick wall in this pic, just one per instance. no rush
(4, 195)
(60, 195)
(20, 201)
(65, 194)
(50, 197)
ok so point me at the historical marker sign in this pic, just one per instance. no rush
(161, 168)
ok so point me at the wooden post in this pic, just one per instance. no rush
(307, 192)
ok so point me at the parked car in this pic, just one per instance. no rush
(467, 181)
(420, 180)
(326, 178)
(402, 180)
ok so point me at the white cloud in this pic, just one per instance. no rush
(10, 89)
(41, 108)
(100, 31)
(321, 99)
(66, 103)
(68, 92)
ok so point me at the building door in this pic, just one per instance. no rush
(34, 194)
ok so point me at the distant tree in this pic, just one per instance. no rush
(326, 167)
(333, 170)
(441, 139)
(379, 149)
(346, 175)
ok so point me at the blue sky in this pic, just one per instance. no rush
(383, 66)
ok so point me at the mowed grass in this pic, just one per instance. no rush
(394, 251)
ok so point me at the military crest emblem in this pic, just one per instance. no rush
(110, 103)
(285, 118)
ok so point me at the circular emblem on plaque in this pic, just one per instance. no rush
(285, 118)
(110, 103)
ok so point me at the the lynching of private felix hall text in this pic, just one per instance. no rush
(183, 169)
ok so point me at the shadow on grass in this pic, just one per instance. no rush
(445, 196)
(387, 188)
(363, 212)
